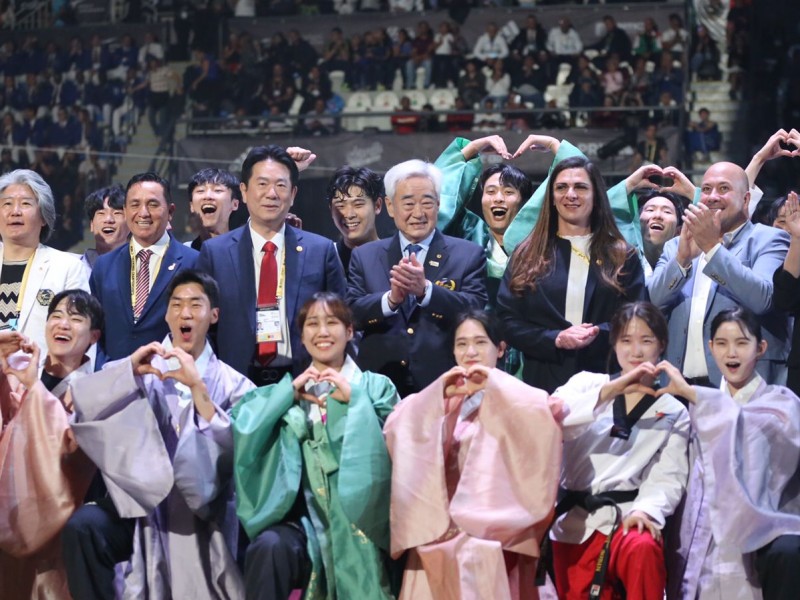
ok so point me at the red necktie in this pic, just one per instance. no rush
(142, 281)
(267, 290)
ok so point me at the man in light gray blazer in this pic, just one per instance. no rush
(720, 260)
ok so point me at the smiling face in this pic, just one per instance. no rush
(636, 345)
(658, 220)
(20, 219)
(414, 208)
(725, 189)
(500, 204)
(354, 216)
(68, 333)
(736, 352)
(109, 227)
(189, 315)
(472, 346)
(573, 196)
(147, 212)
(213, 203)
(269, 194)
(325, 337)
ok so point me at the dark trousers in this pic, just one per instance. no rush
(95, 539)
(276, 562)
(778, 568)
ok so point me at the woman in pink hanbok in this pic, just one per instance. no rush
(475, 463)
(43, 474)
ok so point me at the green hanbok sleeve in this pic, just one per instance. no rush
(625, 207)
(459, 180)
(365, 471)
(268, 461)
(526, 218)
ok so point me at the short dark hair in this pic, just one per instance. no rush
(679, 201)
(346, 177)
(220, 176)
(80, 302)
(150, 176)
(204, 280)
(510, 176)
(647, 312)
(333, 302)
(488, 321)
(274, 153)
(745, 319)
(94, 201)
(774, 208)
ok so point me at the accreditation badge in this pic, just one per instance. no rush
(268, 324)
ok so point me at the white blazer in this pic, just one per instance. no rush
(52, 272)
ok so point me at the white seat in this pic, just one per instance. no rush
(564, 69)
(386, 101)
(359, 103)
(442, 99)
(418, 98)
(337, 79)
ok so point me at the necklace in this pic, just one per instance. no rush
(582, 255)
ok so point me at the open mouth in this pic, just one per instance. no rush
(656, 226)
(733, 365)
(324, 345)
(186, 332)
(62, 337)
(208, 209)
(352, 226)
(109, 230)
(498, 212)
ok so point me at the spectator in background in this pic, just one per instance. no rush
(675, 40)
(499, 83)
(401, 54)
(489, 119)
(528, 82)
(703, 136)
(653, 149)
(460, 122)
(319, 121)
(648, 44)
(276, 53)
(738, 54)
(704, 56)
(614, 41)
(161, 81)
(302, 55)
(563, 42)
(316, 86)
(472, 85)
(337, 55)
(65, 131)
(667, 78)
(201, 82)
(490, 45)
(445, 63)
(528, 42)
(517, 121)
(613, 80)
(405, 119)
(150, 46)
(422, 48)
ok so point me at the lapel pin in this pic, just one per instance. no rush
(299, 248)
(172, 267)
(438, 256)
(433, 263)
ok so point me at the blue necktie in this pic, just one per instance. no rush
(415, 248)
(411, 301)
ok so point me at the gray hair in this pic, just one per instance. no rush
(407, 170)
(42, 192)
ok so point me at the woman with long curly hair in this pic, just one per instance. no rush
(567, 278)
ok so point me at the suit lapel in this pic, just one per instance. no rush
(393, 254)
(170, 264)
(294, 255)
(436, 258)
(122, 266)
(36, 275)
(241, 255)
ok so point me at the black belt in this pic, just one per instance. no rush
(569, 499)
(267, 375)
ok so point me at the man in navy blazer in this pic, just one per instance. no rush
(148, 209)
(406, 291)
(307, 263)
(720, 260)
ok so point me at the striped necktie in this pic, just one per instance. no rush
(142, 281)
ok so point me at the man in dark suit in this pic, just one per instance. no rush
(130, 281)
(267, 269)
(406, 291)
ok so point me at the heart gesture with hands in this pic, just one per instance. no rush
(792, 215)
(459, 381)
(27, 374)
(10, 341)
(677, 384)
(340, 391)
(491, 144)
(639, 380)
(538, 143)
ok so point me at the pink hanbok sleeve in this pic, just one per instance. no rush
(508, 486)
(43, 474)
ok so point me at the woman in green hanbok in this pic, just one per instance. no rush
(312, 471)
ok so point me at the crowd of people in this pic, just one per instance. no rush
(261, 412)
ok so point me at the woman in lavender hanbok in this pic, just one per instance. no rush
(475, 462)
(740, 530)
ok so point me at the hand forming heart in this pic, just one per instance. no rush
(459, 381)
